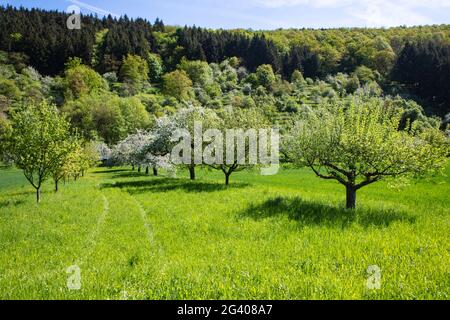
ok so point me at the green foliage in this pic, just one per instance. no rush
(107, 116)
(198, 71)
(69, 164)
(9, 94)
(358, 143)
(134, 72)
(265, 76)
(178, 85)
(100, 38)
(39, 140)
(9, 89)
(135, 114)
(81, 80)
(242, 120)
(5, 133)
(96, 116)
(279, 237)
(414, 56)
(297, 76)
(365, 74)
(152, 103)
(413, 116)
(108, 119)
(155, 67)
(73, 62)
(16, 36)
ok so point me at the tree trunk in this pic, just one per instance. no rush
(227, 179)
(38, 195)
(139, 169)
(146, 171)
(351, 197)
(155, 171)
(56, 185)
(132, 167)
(192, 172)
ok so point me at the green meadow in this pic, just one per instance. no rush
(264, 237)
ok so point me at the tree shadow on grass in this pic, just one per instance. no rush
(110, 171)
(7, 203)
(169, 184)
(314, 213)
(128, 174)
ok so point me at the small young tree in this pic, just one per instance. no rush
(155, 67)
(198, 71)
(186, 120)
(5, 132)
(243, 122)
(178, 85)
(265, 75)
(38, 142)
(134, 72)
(89, 156)
(297, 77)
(81, 80)
(142, 149)
(104, 152)
(153, 161)
(67, 165)
(157, 151)
(128, 150)
(359, 142)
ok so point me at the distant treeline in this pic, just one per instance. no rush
(417, 57)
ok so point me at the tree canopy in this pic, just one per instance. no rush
(358, 142)
(40, 141)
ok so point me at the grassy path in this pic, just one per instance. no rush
(123, 253)
(284, 237)
(261, 240)
(38, 243)
(147, 226)
(106, 235)
(92, 240)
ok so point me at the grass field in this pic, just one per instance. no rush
(278, 237)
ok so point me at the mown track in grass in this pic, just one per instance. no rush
(283, 237)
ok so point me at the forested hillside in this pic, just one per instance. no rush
(411, 62)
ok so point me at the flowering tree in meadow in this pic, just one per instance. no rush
(358, 143)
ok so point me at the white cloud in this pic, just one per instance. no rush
(293, 3)
(373, 13)
(342, 3)
(93, 9)
(386, 14)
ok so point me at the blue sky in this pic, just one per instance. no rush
(265, 14)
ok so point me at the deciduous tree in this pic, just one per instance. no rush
(359, 142)
(177, 84)
(242, 121)
(38, 142)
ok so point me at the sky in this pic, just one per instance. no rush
(264, 14)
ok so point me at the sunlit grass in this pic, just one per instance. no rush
(278, 237)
